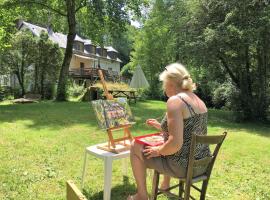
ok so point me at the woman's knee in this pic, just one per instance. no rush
(136, 148)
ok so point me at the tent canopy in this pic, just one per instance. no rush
(138, 80)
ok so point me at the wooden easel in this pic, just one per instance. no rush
(120, 144)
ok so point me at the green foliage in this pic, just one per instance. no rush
(6, 93)
(75, 90)
(47, 66)
(2, 93)
(98, 17)
(127, 71)
(155, 91)
(163, 40)
(123, 42)
(230, 35)
(227, 39)
(34, 61)
(18, 59)
(6, 27)
(222, 95)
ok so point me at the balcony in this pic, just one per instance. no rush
(92, 74)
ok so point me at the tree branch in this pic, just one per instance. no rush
(233, 77)
(82, 4)
(15, 3)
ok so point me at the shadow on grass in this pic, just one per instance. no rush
(55, 115)
(52, 115)
(225, 120)
(119, 192)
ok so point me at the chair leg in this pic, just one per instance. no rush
(204, 188)
(155, 185)
(181, 189)
(187, 190)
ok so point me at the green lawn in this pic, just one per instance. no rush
(42, 145)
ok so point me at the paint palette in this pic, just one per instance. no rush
(154, 139)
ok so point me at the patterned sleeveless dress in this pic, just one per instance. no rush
(196, 124)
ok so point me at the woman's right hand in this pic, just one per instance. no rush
(154, 123)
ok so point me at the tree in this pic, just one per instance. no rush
(219, 40)
(155, 44)
(20, 56)
(113, 14)
(47, 64)
(233, 35)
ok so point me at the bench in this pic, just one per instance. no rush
(129, 94)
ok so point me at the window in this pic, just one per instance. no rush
(5, 80)
(78, 46)
(82, 68)
(104, 52)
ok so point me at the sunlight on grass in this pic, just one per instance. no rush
(42, 145)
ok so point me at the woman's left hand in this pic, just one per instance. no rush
(151, 152)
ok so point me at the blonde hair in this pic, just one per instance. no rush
(178, 73)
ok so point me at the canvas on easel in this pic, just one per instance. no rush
(113, 115)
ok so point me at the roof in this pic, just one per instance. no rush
(36, 30)
(79, 39)
(87, 42)
(110, 48)
(61, 39)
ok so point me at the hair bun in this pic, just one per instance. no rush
(186, 77)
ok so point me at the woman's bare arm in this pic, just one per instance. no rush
(175, 125)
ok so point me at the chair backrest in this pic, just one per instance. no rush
(205, 165)
(73, 193)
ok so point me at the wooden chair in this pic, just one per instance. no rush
(73, 193)
(198, 170)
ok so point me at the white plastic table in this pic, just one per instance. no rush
(108, 158)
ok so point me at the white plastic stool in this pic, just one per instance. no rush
(108, 157)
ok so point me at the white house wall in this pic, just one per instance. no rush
(4, 80)
(106, 64)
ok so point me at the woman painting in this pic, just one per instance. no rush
(186, 115)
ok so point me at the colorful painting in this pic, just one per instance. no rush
(112, 113)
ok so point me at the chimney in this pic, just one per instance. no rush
(49, 27)
(18, 23)
(50, 30)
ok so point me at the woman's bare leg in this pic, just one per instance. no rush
(165, 183)
(139, 171)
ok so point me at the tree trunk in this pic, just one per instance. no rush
(61, 89)
(42, 78)
(36, 79)
(20, 83)
(247, 97)
(262, 52)
(21, 72)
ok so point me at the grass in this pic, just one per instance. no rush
(42, 146)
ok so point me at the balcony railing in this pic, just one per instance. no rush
(92, 73)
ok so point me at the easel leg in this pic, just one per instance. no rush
(111, 139)
(128, 134)
(107, 178)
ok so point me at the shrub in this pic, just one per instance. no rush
(2, 94)
(226, 96)
(127, 71)
(155, 91)
(49, 90)
(74, 90)
(204, 91)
